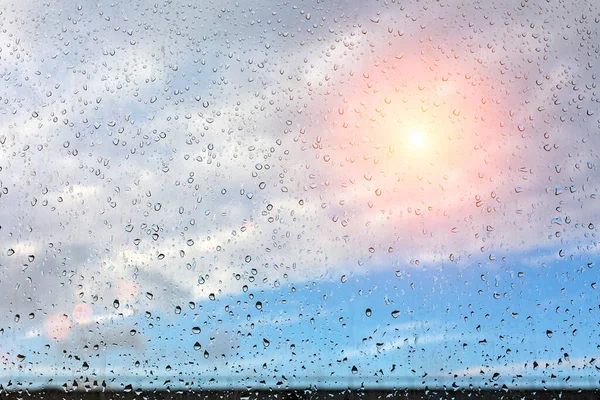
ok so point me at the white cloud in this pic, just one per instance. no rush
(513, 369)
(411, 337)
(32, 333)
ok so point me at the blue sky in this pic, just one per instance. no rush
(474, 322)
(280, 195)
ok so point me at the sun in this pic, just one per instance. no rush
(416, 139)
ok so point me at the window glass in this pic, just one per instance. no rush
(277, 195)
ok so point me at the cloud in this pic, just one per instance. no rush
(32, 333)
(414, 333)
(526, 368)
(396, 344)
(444, 213)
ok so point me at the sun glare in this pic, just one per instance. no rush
(417, 139)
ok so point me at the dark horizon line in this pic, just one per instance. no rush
(180, 391)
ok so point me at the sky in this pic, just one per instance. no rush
(283, 194)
